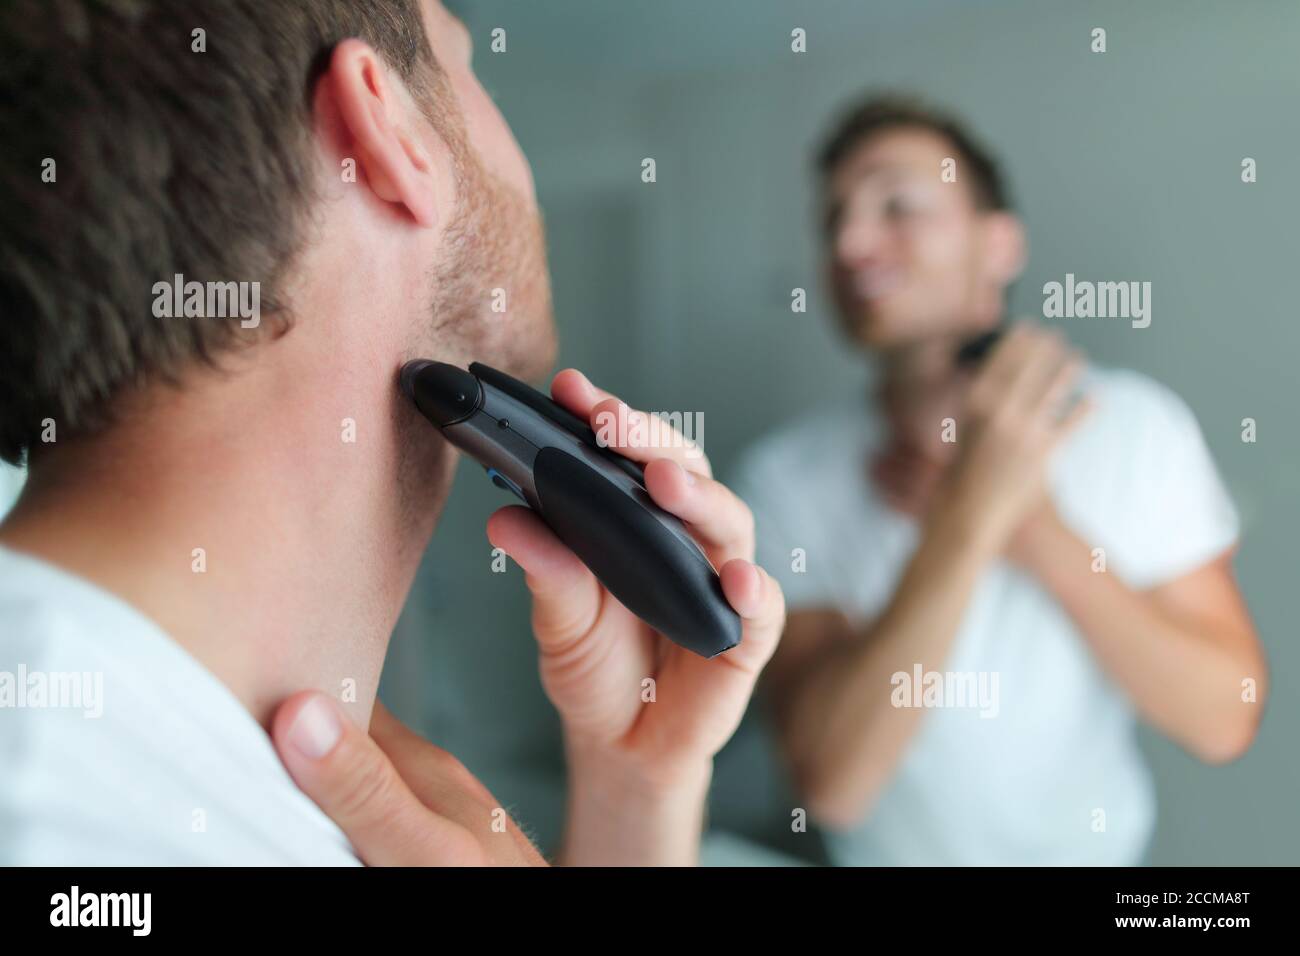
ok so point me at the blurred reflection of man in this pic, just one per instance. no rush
(935, 573)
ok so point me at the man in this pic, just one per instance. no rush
(1046, 545)
(223, 514)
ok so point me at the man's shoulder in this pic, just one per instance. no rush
(1138, 479)
(1133, 411)
(1141, 391)
(55, 623)
(117, 748)
(41, 630)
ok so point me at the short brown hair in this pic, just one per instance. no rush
(167, 160)
(881, 113)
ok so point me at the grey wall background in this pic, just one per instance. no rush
(1126, 165)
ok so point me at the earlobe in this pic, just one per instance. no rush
(373, 115)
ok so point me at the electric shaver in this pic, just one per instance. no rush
(594, 499)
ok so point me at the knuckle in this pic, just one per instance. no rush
(459, 776)
(444, 762)
(451, 773)
(561, 620)
(458, 846)
(369, 789)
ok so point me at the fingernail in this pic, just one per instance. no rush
(690, 477)
(316, 729)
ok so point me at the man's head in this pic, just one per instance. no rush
(338, 154)
(914, 255)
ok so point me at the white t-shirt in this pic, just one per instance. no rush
(1035, 783)
(118, 748)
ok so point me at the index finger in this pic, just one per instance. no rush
(633, 434)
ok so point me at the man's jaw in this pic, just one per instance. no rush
(870, 284)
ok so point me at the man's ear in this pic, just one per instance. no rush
(374, 114)
(1005, 247)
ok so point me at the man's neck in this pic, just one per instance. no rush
(921, 362)
(271, 522)
(912, 379)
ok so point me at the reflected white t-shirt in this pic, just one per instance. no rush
(118, 748)
(1056, 776)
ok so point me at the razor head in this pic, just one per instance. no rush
(974, 351)
(443, 393)
(446, 395)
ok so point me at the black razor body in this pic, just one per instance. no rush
(592, 498)
(974, 353)
(975, 350)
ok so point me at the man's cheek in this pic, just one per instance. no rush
(498, 150)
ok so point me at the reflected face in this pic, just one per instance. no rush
(494, 251)
(904, 248)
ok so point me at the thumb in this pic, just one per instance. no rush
(352, 780)
(590, 647)
(566, 596)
